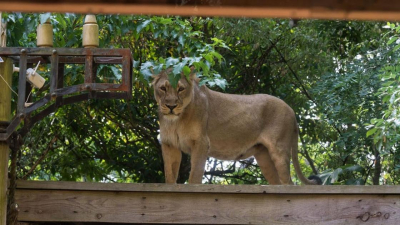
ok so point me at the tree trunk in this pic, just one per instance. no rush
(378, 168)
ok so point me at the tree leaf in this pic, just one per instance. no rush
(209, 58)
(173, 79)
(161, 60)
(186, 71)
(171, 61)
(117, 72)
(44, 17)
(181, 40)
(146, 73)
(371, 131)
(220, 83)
(142, 25)
(157, 69)
(335, 174)
(178, 68)
(135, 64)
(217, 55)
(392, 39)
(352, 168)
(146, 65)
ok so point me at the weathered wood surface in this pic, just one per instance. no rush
(5, 115)
(207, 204)
(322, 9)
(181, 188)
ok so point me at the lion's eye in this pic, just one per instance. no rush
(163, 88)
(181, 89)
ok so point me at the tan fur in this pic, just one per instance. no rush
(228, 127)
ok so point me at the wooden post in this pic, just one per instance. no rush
(6, 69)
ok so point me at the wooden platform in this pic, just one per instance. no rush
(207, 204)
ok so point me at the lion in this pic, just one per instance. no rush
(202, 122)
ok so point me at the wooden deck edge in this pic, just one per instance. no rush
(40, 201)
(209, 188)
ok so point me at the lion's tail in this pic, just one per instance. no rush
(314, 180)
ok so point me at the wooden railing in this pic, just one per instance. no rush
(206, 204)
(321, 9)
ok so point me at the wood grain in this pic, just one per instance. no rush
(322, 9)
(5, 115)
(194, 188)
(205, 204)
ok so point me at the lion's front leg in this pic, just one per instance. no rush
(172, 160)
(198, 159)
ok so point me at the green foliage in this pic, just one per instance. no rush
(44, 17)
(332, 176)
(340, 77)
(385, 128)
(357, 96)
(188, 50)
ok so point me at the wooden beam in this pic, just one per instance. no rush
(322, 9)
(6, 68)
(183, 188)
(206, 204)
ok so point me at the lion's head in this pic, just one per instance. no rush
(172, 101)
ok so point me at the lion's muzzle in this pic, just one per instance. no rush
(171, 107)
(170, 110)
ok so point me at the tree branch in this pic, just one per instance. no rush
(378, 167)
(218, 172)
(304, 90)
(42, 157)
(310, 161)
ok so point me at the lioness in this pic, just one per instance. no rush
(202, 122)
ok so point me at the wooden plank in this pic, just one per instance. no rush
(97, 52)
(5, 115)
(89, 73)
(54, 73)
(22, 82)
(322, 9)
(169, 204)
(223, 189)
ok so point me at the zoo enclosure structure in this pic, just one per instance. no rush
(162, 203)
(58, 95)
(206, 204)
(57, 58)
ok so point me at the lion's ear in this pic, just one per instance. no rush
(155, 79)
(193, 75)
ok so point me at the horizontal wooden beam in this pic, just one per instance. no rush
(206, 204)
(221, 189)
(322, 9)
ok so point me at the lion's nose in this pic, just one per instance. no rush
(171, 107)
